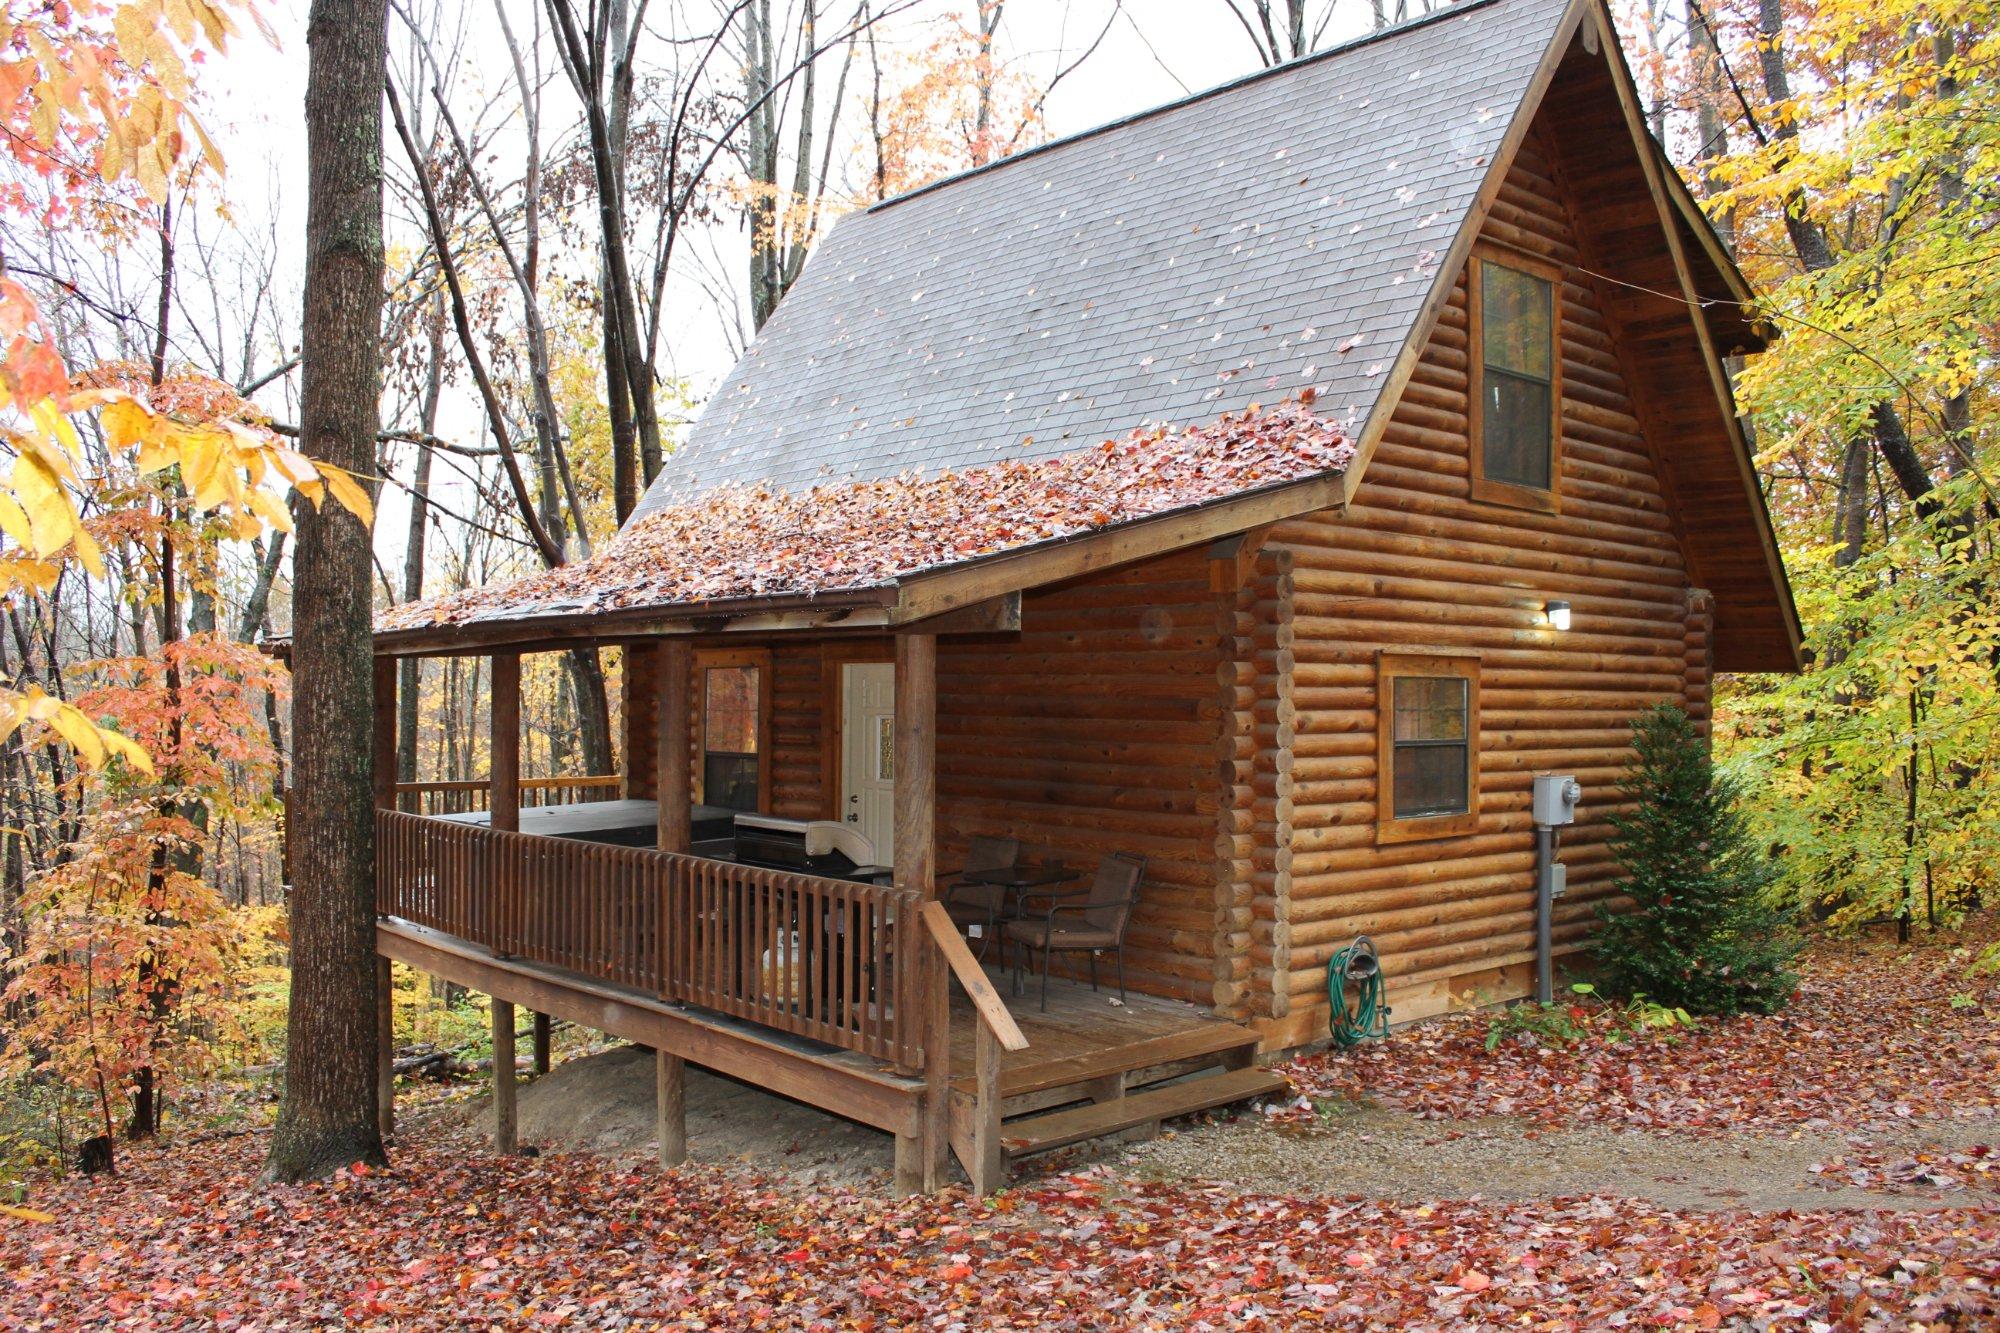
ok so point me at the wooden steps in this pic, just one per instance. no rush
(1224, 1040)
(1059, 1129)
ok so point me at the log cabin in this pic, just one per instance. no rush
(1264, 488)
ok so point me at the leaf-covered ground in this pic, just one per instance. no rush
(453, 1237)
(1877, 1036)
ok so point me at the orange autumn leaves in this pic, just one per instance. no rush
(92, 96)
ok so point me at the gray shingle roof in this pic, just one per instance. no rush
(1276, 232)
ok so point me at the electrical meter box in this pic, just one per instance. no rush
(1556, 797)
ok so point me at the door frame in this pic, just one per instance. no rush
(833, 711)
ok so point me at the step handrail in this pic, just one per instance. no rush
(992, 1010)
(978, 1147)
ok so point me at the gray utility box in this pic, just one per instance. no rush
(1556, 797)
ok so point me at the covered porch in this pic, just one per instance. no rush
(617, 902)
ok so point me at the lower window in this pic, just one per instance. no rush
(1427, 746)
(735, 703)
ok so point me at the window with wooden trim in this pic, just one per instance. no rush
(1427, 746)
(733, 705)
(1516, 399)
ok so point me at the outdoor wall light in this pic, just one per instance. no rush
(1557, 614)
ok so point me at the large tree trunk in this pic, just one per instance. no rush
(328, 1117)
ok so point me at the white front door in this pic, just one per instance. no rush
(868, 753)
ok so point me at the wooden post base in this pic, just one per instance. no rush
(506, 1116)
(910, 1162)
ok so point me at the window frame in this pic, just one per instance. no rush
(1484, 489)
(1415, 828)
(704, 660)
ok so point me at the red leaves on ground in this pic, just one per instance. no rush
(749, 541)
(453, 1237)
(1876, 1036)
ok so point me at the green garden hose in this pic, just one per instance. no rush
(1357, 965)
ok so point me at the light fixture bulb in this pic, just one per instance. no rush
(1558, 615)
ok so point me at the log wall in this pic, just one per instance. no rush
(1415, 565)
(1093, 731)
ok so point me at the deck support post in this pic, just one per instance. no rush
(543, 1043)
(383, 780)
(670, 1107)
(915, 859)
(385, 1046)
(506, 1116)
(670, 782)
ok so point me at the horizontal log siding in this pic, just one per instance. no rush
(1415, 565)
(1091, 732)
(1094, 732)
(798, 788)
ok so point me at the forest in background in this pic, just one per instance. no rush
(567, 183)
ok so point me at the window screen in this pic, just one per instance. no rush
(1517, 388)
(1431, 747)
(729, 736)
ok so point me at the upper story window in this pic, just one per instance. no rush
(1517, 381)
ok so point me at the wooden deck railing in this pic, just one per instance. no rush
(458, 798)
(819, 958)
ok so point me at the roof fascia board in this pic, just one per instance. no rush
(1419, 336)
(1703, 229)
(843, 609)
(1725, 399)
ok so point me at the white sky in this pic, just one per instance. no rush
(1155, 51)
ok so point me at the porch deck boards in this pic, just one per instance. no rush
(1087, 1032)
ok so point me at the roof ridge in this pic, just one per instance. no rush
(1368, 38)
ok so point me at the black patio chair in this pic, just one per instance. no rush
(1090, 922)
(972, 902)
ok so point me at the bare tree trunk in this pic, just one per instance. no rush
(606, 94)
(409, 671)
(328, 1118)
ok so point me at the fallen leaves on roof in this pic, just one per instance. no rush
(752, 541)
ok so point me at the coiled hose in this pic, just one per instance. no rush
(1357, 965)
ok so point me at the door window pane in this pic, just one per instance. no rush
(1431, 755)
(729, 736)
(1517, 398)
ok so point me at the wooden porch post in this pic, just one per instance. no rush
(671, 789)
(384, 779)
(916, 851)
(506, 1121)
(505, 813)
(670, 783)
(505, 801)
